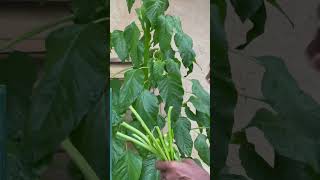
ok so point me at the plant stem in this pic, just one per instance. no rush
(79, 160)
(170, 132)
(163, 143)
(147, 38)
(134, 130)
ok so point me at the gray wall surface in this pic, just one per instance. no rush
(281, 40)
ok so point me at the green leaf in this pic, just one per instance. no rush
(89, 10)
(182, 136)
(185, 45)
(171, 90)
(258, 20)
(283, 94)
(203, 149)
(131, 89)
(130, 4)
(245, 9)
(231, 177)
(156, 72)
(132, 35)
(155, 8)
(149, 171)
(91, 138)
(120, 45)
(148, 108)
(117, 150)
(224, 90)
(201, 100)
(73, 83)
(127, 167)
(275, 4)
(255, 166)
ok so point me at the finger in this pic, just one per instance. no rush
(163, 165)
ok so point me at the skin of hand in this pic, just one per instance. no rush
(181, 170)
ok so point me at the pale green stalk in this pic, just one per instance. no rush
(163, 143)
(134, 130)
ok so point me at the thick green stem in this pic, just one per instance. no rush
(170, 135)
(134, 130)
(79, 160)
(163, 143)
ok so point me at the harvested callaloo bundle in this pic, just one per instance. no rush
(162, 146)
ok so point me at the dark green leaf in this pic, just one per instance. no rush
(182, 136)
(201, 100)
(127, 167)
(185, 45)
(255, 166)
(224, 89)
(130, 4)
(155, 8)
(149, 171)
(117, 150)
(231, 177)
(132, 35)
(91, 138)
(148, 108)
(89, 10)
(203, 149)
(245, 9)
(120, 45)
(73, 82)
(171, 89)
(258, 20)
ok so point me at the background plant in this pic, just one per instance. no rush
(66, 105)
(290, 121)
(158, 47)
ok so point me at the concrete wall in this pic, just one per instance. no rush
(195, 18)
(280, 40)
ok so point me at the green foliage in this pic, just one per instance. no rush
(289, 123)
(157, 55)
(67, 99)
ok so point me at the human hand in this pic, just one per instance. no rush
(181, 170)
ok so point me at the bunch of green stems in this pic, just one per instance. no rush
(162, 147)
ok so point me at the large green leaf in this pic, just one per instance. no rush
(132, 35)
(171, 90)
(203, 149)
(225, 94)
(130, 4)
(155, 8)
(182, 136)
(298, 115)
(149, 171)
(255, 166)
(120, 44)
(148, 108)
(127, 167)
(91, 138)
(73, 83)
(131, 89)
(89, 10)
(201, 100)
(185, 46)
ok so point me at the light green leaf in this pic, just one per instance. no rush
(155, 8)
(120, 45)
(130, 4)
(203, 149)
(127, 167)
(185, 46)
(182, 135)
(201, 100)
(148, 108)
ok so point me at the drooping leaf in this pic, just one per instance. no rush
(155, 8)
(130, 4)
(132, 36)
(91, 138)
(224, 89)
(297, 121)
(275, 4)
(131, 89)
(149, 171)
(73, 82)
(258, 20)
(185, 46)
(120, 45)
(182, 136)
(201, 100)
(157, 71)
(127, 167)
(203, 149)
(148, 108)
(255, 166)
(171, 90)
